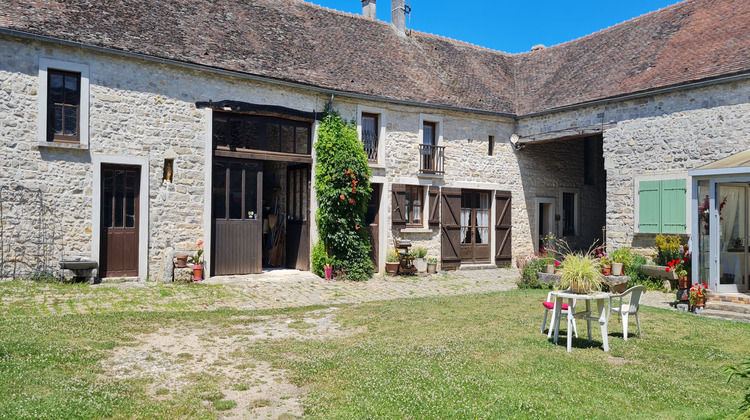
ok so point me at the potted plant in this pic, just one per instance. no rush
(328, 268)
(392, 263)
(197, 261)
(605, 262)
(580, 273)
(697, 296)
(432, 265)
(419, 259)
(557, 267)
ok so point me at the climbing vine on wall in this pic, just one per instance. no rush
(342, 184)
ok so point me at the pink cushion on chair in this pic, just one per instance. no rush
(551, 305)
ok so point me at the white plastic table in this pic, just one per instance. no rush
(601, 299)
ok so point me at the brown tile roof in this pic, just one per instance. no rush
(311, 45)
(689, 41)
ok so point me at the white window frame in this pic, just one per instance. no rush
(382, 123)
(46, 64)
(576, 194)
(662, 177)
(438, 121)
(143, 225)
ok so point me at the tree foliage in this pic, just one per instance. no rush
(342, 184)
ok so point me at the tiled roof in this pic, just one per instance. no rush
(689, 41)
(307, 44)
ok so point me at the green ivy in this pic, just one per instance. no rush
(342, 184)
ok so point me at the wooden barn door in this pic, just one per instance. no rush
(120, 220)
(237, 223)
(503, 227)
(298, 215)
(450, 240)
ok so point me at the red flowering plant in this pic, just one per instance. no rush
(681, 266)
(698, 291)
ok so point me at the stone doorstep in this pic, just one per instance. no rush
(464, 267)
(718, 297)
(728, 315)
(728, 307)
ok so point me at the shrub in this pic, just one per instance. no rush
(637, 277)
(667, 249)
(342, 184)
(530, 269)
(622, 255)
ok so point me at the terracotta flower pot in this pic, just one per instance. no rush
(197, 272)
(181, 260)
(700, 303)
(684, 282)
(392, 268)
(607, 270)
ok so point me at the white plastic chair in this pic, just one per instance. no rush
(627, 308)
(549, 305)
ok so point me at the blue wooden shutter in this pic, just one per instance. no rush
(649, 206)
(673, 207)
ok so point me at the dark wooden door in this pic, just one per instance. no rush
(237, 222)
(298, 217)
(475, 226)
(120, 220)
(503, 227)
(450, 228)
(372, 221)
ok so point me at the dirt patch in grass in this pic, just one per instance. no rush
(216, 361)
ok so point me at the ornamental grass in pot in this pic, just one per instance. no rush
(581, 273)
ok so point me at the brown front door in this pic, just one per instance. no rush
(372, 219)
(237, 224)
(120, 220)
(475, 226)
(298, 215)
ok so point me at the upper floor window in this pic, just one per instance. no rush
(370, 129)
(428, 133)
(63, 105)
(240, 132)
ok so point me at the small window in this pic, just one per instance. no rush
(414, 205)
(569, 214)
(370, 131)
(63, 106)
(491, 145)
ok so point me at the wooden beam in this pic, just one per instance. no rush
(261, 155)
(566, 134)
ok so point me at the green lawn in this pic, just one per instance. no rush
(477, 356)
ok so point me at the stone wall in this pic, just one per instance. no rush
(138, 108)
(666, 134)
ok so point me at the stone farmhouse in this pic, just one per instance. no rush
(133, 129)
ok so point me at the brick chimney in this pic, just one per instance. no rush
(398, 16)
(368, 9)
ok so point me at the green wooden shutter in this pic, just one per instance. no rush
(673, 207)
(649, 207)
